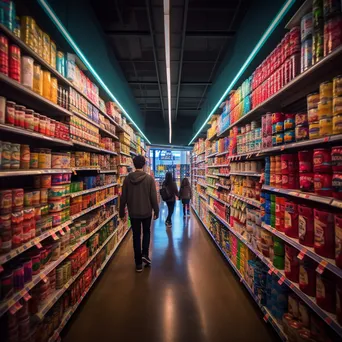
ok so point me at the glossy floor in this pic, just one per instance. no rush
(189, 294)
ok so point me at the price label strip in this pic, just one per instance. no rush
(321, 267)
(266, 317)
(301, 254)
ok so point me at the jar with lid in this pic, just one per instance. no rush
(10, 113)
(29, 119)
(42, 124)
(19, 116)
(36, 119)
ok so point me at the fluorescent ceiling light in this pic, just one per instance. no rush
(254, 52)
(167, 60)
(69, 39)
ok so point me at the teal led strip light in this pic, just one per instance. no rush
(248, 61)
(48, 10)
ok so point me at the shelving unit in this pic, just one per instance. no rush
(85, 219)
(250, 228)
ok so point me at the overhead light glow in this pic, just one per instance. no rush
(167, 60)
(46, 7)
(254, 52)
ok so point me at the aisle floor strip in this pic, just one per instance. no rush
(268, 317)
(329, 318)
(58, 293)
(70, 312)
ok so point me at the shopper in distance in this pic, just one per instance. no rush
(140, 195)
(185, 194)
(168, 193)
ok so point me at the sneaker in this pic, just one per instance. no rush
(139, 268)
(146, 260)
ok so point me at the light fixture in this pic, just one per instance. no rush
(167, 61)
(254, 52)
(48, 10)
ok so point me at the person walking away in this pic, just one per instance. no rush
(140, 195)
(185, 194)
(171, 186)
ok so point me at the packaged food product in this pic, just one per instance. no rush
(324, 233)
(337, 186)
(312, 100)
(314, 130)
(323, 184)
(337, 86)
(302, 132)
(326, 90)
(305, 225)
(322, 160)
(337, 124)
(336, 158)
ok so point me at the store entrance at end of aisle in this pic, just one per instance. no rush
(175, 161)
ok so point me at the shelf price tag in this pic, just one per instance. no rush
(270, 271)
(43, 278)
(321, 267)
(326, 139)
(39, 245)
(281, 280)
(301, 254)
(27, 297)
(54, 236)
(328, 320)
(62, 232)
(266, 317)
(14, 308)
(67, 228)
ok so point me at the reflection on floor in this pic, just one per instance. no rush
(189, 294)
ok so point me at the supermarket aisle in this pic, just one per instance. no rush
(188, 295)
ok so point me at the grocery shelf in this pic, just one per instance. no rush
(85, 168)
(32, 172)
(302, 85)
(305, 8)
(218, 185)
(213, 137)
(199, 153)
(127, 165)
(268, 317)
(13, 90)
(98, 188)
(108, 171)
(31, 134)
(242, 173)
(305, 195)
(201, 195)
(222, 153)
(199, 162)
(58, 293)
(86, 211)
(124, 175)
(310, 301)
(125, 154)
(70, 312)
(250, 201)
(212, 186)
(34, 242)
(219, 200)
(199, 176)
(133, 153)
(212, 155)
(198, 168)
(310, 252)
(222, 174)
(92, 148)
(220, 165)
(202, 184)
(212, 176)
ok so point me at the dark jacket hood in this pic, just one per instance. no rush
(137, 177)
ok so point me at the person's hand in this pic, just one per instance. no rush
(155, 217)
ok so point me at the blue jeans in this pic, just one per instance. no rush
(171, 208)
(186, 203)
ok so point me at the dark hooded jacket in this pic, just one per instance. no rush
(140, 195)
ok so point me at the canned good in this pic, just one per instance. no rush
(44, 159)
(289, 136)
(28, 198)
(10, 113)
(312, 100)
(14, 63)
(19, 119)
(24, 156)
(313, 115)
(37, 79)
(54, 88)
(5, 202)
(306, 55)
(3, 55)
(314, 130)
(34, 160)
(53, 55)
(45, 181)
(6, 155)
(325, 109)
(337, 186)
(289, 122)
(302, 132)
(337, 105)
(337, 86)
(17, 199)
(336, 158)
(27, 72)
(332, 34)
(337, 124)
(325, 127)
(44, 196)
(61, 63)
(323, 184)
(301, 119)
(322, 160)
(15, 156)
(306, 26)
(317, 46)
(47, 84)
(326, 90)
(29, 119)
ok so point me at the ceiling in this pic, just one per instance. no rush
(202, 35)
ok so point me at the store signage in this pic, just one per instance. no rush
(165, 155)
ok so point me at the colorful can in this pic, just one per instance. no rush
(326, 90)
(45, 181)
(301, 119)
(2, 110)
(28, 198)
(53, 54)
(337, 105)
(306, 26)
(37, 79)
(17, 199)
(314, 130)
(29, 119)
(305, 225)
(289, 122)
(313, 115)
(47, 84)
(306, 182)
(338, 240)
(27, 72)
(307, 276)
(305, 161)
(306, 55)
(15, 156)
(337, 186)
(317, 46)
(325, 127)
(336, 158)
(291, 263)
(291, 219)
(3, 55)
(278, 127)
(34, 160)
(337, 86)
(312, 100)
(323, 184)
(61, 63)
(302, 132)
(36, 198)
(325, 109)
(6, 155)
(279, 139)
(332, 34)
(14, 63)
(322, 160)
(19, 119)
(5, 202)
(289, 136)
(24, 156)
(44, 194)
